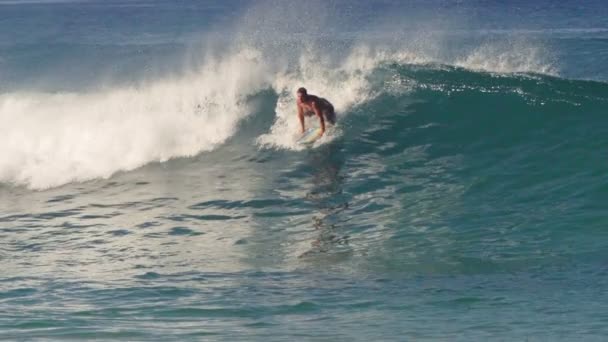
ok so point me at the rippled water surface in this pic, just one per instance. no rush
(151, 188)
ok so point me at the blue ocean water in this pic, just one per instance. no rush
(151, 187)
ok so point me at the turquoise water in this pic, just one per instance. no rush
(151, 187)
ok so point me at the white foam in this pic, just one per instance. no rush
(52, 139)
(507, 57)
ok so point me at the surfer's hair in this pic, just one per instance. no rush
(302, 91)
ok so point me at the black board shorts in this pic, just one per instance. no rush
(330, 114)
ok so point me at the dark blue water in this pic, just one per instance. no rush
(151, 187)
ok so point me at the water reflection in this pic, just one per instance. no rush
(328, 199)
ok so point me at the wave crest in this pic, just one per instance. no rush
(54, 139)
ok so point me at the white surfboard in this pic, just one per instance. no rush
(309, 136)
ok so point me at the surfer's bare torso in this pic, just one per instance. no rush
(309, 105)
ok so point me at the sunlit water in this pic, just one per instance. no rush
(151, 187)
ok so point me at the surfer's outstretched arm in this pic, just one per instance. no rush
(301, 117)
(320, 115)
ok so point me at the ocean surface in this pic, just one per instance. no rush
(151, 188)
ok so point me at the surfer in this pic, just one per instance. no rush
(310, 105)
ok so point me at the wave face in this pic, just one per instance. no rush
(62, 137)
(91, 103)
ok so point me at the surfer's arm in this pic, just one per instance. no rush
(301, 117)
(320, 115)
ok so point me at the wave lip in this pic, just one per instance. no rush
(510, 59)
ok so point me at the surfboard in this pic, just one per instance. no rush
(309, 136)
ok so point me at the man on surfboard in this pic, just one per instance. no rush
(310, 105)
